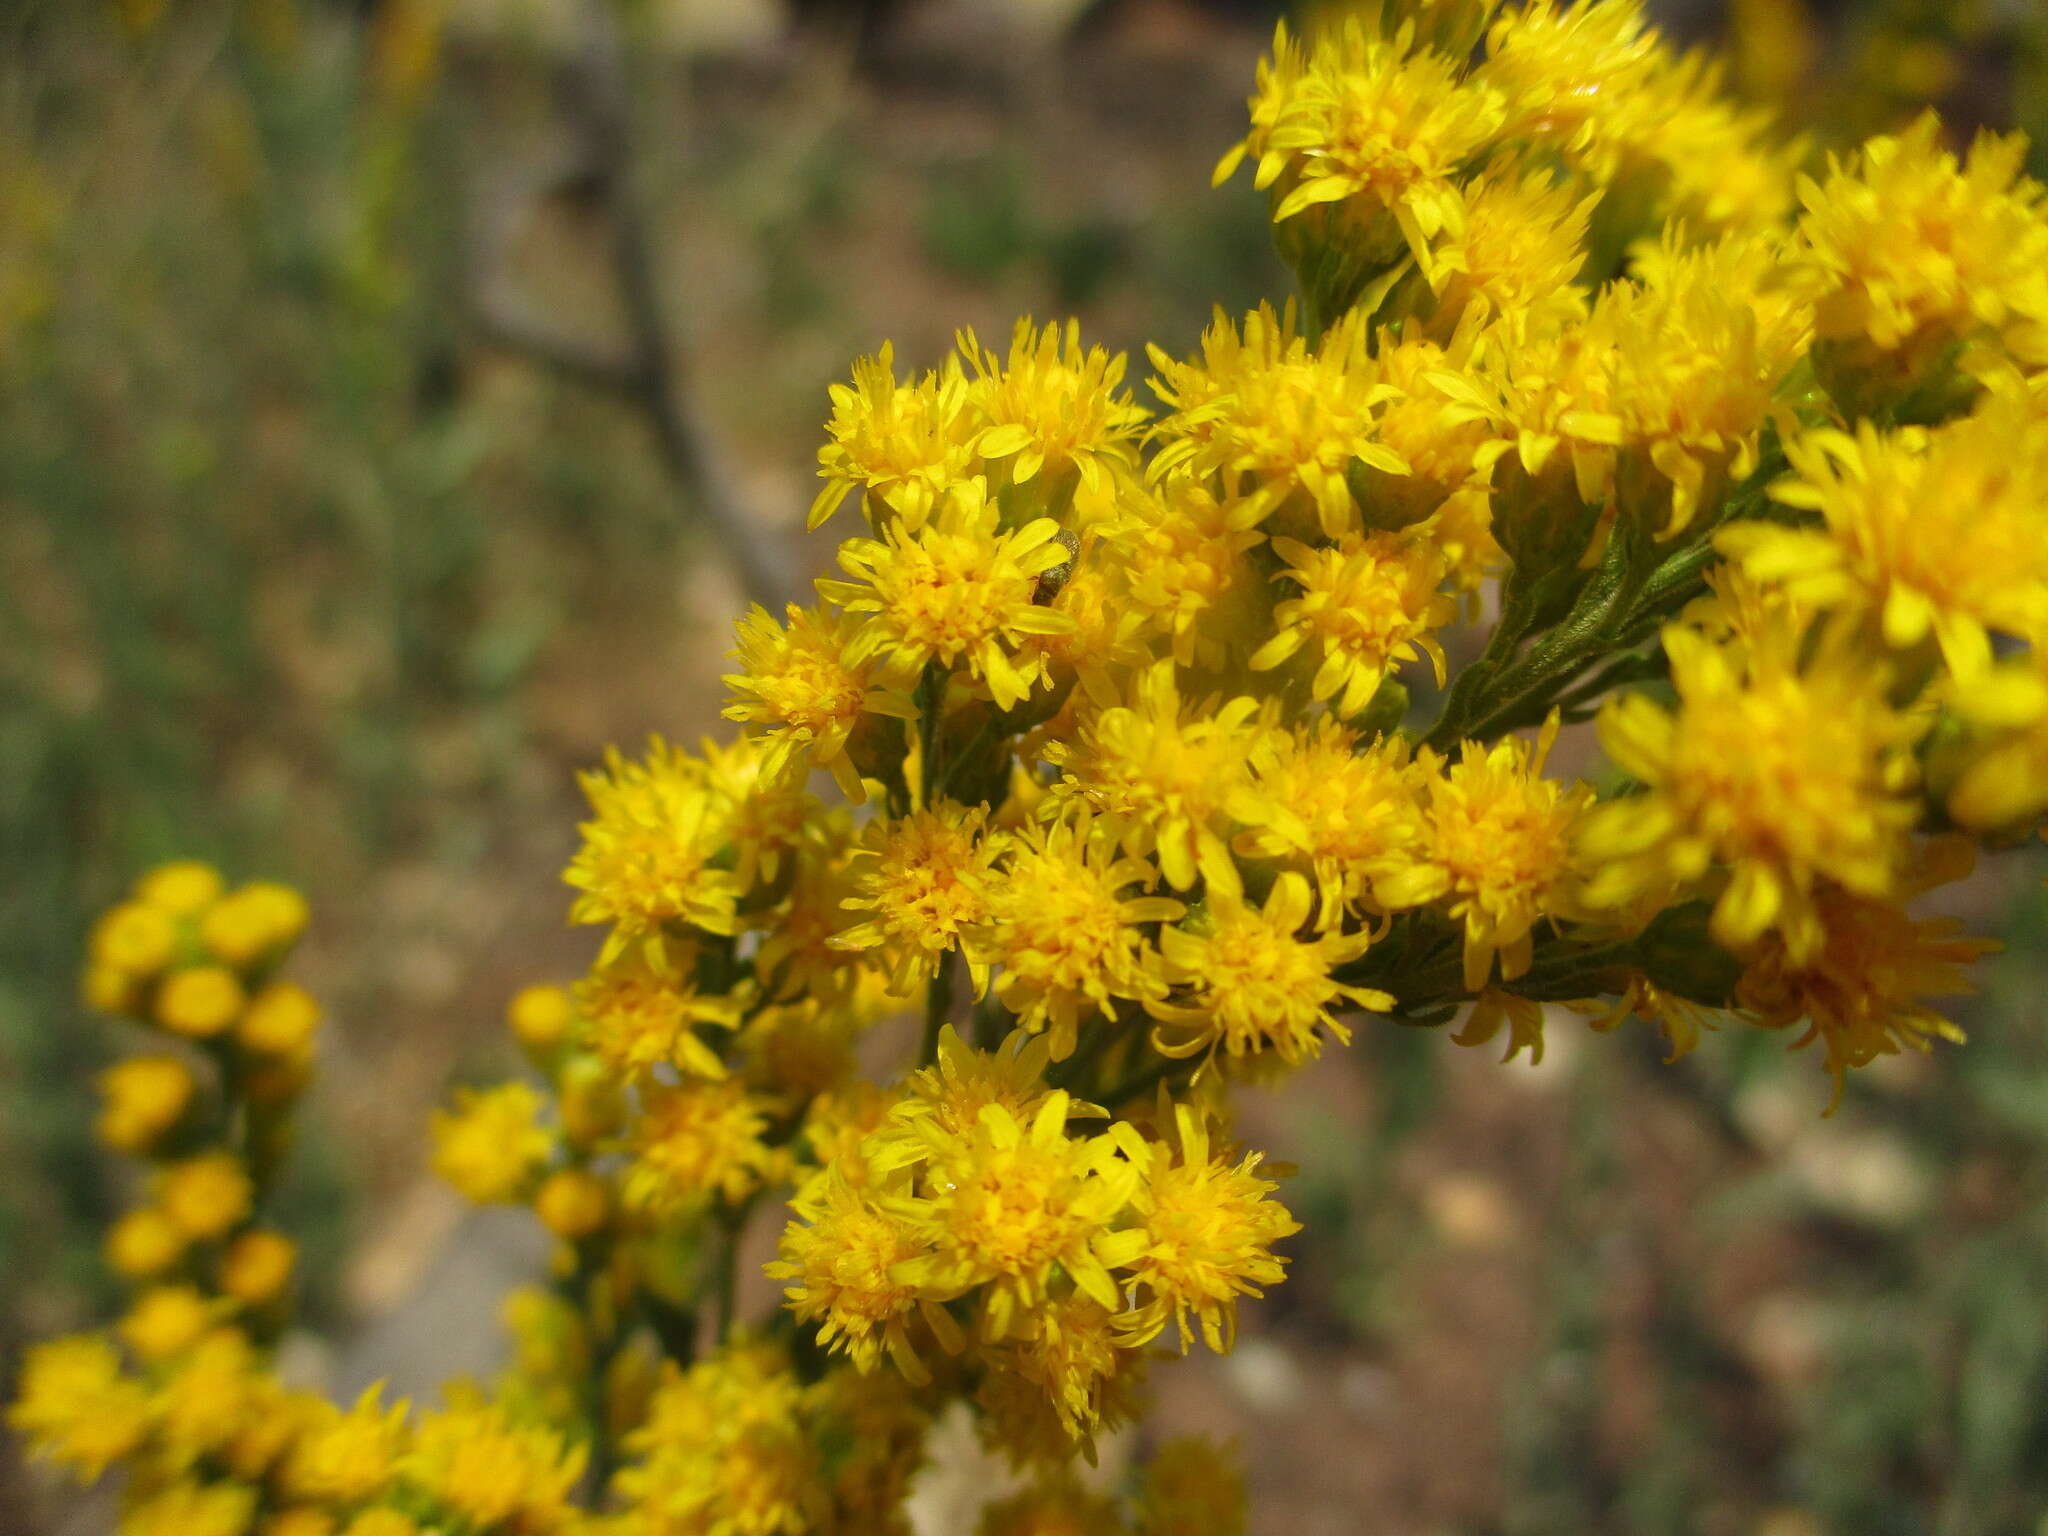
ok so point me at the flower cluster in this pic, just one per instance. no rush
(1125, 761)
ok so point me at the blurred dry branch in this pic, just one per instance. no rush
(651, 368)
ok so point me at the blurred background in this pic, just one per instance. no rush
(400, 398)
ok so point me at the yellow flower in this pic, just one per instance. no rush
(901, 445)
(205, 1196)
(1170, 779)
(925, 879)
(345, 1458)
(1908, 251)
(1780, 771)
(74, 1405)
(841, 1259)
(1375, 125)
(572, 1203)
(643, 1010)
(1186, 574)
(134, 938)
(1054, 408)
(1278, 419)
(145, 1096)
(765, 814)
(181, 889)
(473, 1461)
(958, 589)
(1209, 1227)
(217, 1391)
(257, 1267)
(187, 1508)
(797, 957)
(946, 1099)
(541, 1016)
(1494, 1009)
(167, 1320)
(1513, 253)
(2003, 777)
(491, 1145)
(1496, 851)
(199, 1002)
(648, 854)
(1926, 532)
(382, 1522)
(1011, 1204)
(1063, 923)
(1367, 603)
(1681, 1020)
(1565, 73)
(253, 923)
(1343, 812)
(280, 1020)
(696, 1142)
(1255, 983)
(143, 1243)
(1861, 990)
(806, 692)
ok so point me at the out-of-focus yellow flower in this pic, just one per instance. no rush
(76, 1407)
(643, 1009)
(199, 1002)
(191, 1508)
(491, 1144)
(2003, 779)
(134, 939)
(572, 1203)
(840, 1260)
(143, 1243)
(167, 1320)
(696, 1143)
(1057, 1506)
(485, 1470)
(182, 888)
(1192, 1487)
(206, 1196)
(280, 1020)
(541, 1016)
(252, 923)
(257, 1267)
(1926, 532)
(346, 1458)
(144, 1097)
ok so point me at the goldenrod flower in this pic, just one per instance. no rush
(491, 1145)
(1494, 1010)
(797, 957)
(924, 877)
(643, 1009)
(184, 888)
(1053, 408)
(1512, 254)
(1861, 989)
(280, 1020)
(806, 691)
(205, 1196)
(253, 923)
(957, 589)
(215, 1392)
(541, 1016)
(1636, 996)
(1069, 1352)
(167, 1320)
(143, 1243)
(1344, 813)
(1496, 851)
(1565, 72)
(695, 1143)
(190, 1508)
(1908, 251)
(1924, 532)
(901, 445)
(145, 1096)
(76, 1407)
(1064, 917)
(479, 1466)
(648, 852)
(766, 813)
(257, 1267)
(1782, 772)
(842, 1260)
(950, 1095)
(1209, 1227)
(1368, 603)
(2003, 779)
(199, 1002)
(1172, 779)
(1255, 982)
(135, 938)
(572, 1203)
(1186, 576)
(346, 1458)
(1276, 418)
(1013, 1203)
(1375, 125)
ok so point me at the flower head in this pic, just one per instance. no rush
(900, 445)
(696, 1142)
(491, 1145)
(924, 877)
(1051, 407)
(75, 1405)
(1367, 603)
